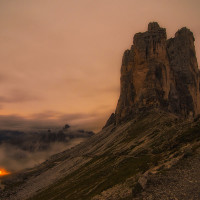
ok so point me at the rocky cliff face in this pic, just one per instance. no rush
(160, 73)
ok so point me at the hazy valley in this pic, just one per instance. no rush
(24, 149)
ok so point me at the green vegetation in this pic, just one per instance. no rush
(189, 135)
(137, 129)
(105, 171)
(94, 177)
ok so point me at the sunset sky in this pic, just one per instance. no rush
(60, 60)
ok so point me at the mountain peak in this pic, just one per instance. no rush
(153, 26)
(159, 73)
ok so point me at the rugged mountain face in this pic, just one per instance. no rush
(149, 148)
(157, 72)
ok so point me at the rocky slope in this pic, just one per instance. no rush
(149, 148)
(115, 164)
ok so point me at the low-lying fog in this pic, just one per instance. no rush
(13, 158)
(19, 150)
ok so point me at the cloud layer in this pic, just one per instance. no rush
(51, 120)
(14, 159)
(65, 56)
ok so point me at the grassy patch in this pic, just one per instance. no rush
(94, 177)
(136, 129)
(189, 135)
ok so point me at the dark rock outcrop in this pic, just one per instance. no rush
(184, 89)
(67, 126)
(111, 120)
(159, 73)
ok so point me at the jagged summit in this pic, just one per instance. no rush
(153, 26)
(159, 73)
